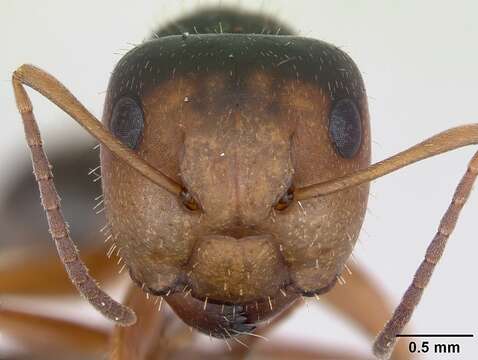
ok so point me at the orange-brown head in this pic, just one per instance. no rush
(239, 120)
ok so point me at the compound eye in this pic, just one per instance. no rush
(127, 122)
(345, 128)
(285, 200)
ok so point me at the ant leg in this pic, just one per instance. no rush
(369, 308)
(40, 334)
(26, 250)
(385, 341)
(49, 275)
(158, 333)
(67, 251)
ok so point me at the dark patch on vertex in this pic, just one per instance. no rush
(235, 56)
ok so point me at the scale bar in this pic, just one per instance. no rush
(437, 335)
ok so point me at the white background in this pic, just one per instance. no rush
(419, 62)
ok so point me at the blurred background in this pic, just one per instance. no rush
(419, 63)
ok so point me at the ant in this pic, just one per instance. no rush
(221, 128)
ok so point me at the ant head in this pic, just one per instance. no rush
(240, 121)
